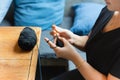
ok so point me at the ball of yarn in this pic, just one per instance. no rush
(27, 39)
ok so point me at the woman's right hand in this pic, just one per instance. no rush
(68, 35)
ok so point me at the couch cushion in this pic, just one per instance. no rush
(4, 8)
(85, 17)
(41, 13)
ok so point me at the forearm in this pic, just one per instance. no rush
(79, 41)
(88, 72)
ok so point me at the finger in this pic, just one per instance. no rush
(54, 26)
(50, 43)
(53, 33)
(55, 39)
(57, 29)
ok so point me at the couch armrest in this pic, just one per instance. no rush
(10, 15)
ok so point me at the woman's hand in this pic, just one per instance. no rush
(77, 41)
(67, 52)
(68, 35)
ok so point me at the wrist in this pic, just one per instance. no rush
(74, 38)
(78, 60)
(80, 64)
(79, 41)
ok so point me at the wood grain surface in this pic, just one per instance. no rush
(16, 64)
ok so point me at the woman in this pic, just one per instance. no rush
(102, 46)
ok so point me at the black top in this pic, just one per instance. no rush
(103, 48)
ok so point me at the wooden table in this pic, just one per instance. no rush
(16, 64)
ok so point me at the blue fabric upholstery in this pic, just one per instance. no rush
(85, 17)
(4, 6)
(41, 13)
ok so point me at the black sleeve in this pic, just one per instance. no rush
(115, 69)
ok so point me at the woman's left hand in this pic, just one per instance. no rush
(67, 52)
